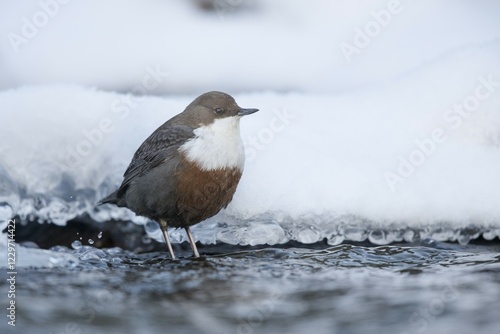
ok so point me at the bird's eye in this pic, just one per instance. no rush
(219, 111)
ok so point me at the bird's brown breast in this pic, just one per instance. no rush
(203, 193)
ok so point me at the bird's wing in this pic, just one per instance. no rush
(154, 150)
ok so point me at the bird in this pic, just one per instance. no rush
(188, 169)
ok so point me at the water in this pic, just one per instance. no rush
(430, 287)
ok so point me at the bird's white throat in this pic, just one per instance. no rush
(217, 145)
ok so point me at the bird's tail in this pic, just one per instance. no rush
(110, 199)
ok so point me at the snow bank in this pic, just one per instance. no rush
(420, 152)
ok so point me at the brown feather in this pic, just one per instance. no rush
(202, 194)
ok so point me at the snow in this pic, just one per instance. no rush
(278, 45)
(401, 141)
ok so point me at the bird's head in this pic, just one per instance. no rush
(212, 106)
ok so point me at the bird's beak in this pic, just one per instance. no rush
(246, 111)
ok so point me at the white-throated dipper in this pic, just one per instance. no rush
(188, 169)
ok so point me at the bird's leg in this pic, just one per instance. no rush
(191, 241)
(163, 226)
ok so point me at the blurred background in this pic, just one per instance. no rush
(318, 46)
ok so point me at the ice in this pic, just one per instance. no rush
(254, 233)
(491, 234)
(33, 257)
(379, 237)
(368, 149)
(308, 234)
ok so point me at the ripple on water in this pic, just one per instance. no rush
(349, 288)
